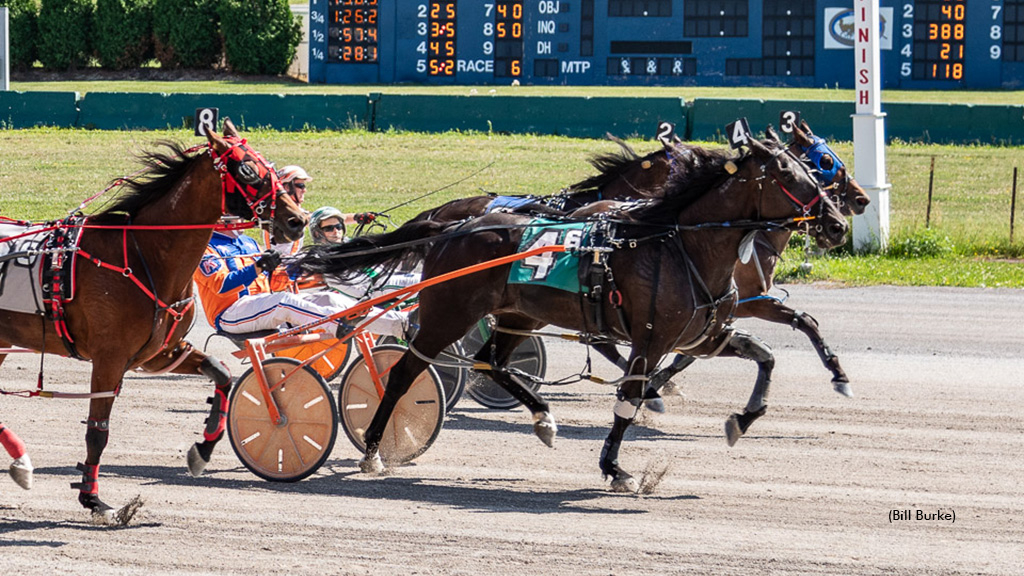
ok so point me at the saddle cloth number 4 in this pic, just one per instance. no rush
(542, 264)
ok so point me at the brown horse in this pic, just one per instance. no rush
(626, 175)
(754, 277)
(671, 273)
(134, 303)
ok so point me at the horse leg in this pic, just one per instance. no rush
(400, 378)
(496, 353)
(96, 433)
(21, 469)
(744, 345)
(775, 311)
(187, 359)
(652, 398)
(627, 404)
(660, 378)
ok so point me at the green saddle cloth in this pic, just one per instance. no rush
(552, 269)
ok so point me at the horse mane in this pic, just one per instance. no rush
(609, 167)
(163, 170)
(695, 172)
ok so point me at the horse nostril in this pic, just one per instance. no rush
(296, 223)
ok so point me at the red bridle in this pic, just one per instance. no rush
(238, 175)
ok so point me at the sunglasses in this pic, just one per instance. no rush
(299, 185)
(333, 228)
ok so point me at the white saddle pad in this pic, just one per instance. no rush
(20, 259)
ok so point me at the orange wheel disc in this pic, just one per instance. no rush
(329, 365)
(417, 418)
(300, 444)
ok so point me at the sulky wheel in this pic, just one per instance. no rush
(299, 445)
(417, 418)
(530, 357)
(453, 380)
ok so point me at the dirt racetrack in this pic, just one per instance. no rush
(935, 426)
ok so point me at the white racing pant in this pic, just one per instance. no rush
(276, 309)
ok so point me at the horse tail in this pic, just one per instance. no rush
(406, 245)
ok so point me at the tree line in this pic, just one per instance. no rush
(243, 36)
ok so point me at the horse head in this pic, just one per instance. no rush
(832, 173)
(786, 188)
(251, 186)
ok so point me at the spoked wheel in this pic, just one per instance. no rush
(300, 444)
(330, 365)
(453, 380)
(530, 357)
(417, 418)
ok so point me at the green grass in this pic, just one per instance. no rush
(290, 86)
(44, 173)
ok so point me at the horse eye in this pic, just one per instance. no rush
(247, 175)
(827, 162)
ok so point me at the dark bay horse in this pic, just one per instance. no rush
(627, 175)
(673, 270)
(134, 302)
(754, 277)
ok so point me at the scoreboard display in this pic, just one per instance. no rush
(927, 44)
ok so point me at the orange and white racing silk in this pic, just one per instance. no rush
(286, 249)
(238, 298)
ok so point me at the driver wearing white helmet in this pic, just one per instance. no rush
(294, 180)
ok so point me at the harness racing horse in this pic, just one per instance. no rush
(672, 268)
(134, 302)
(755, 274)
(627, 175)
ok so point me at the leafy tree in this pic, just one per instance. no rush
(124, 33)
(260, 36)
(23, 28)
(185, 33)
(65, 27)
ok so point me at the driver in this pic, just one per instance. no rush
(327, 225)
(243, 290)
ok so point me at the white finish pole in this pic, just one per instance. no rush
(871, 229)
(5, 51)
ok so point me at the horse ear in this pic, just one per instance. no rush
(806, 128)
(770, 134)
(229, 128)
(758, 148)
(802, 136)
(218, 143)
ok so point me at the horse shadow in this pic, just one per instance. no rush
(10, 526)
(464, 419)
(340, 477)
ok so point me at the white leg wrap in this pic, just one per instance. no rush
(625, 409)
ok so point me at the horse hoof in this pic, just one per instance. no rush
(843, 388)
(625, 483)
(371, 464)
(545, 428)
(732, 429)
(656, 405)
(21, 472)
(196, 463)
(106, 516)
